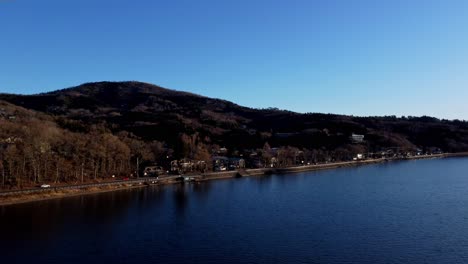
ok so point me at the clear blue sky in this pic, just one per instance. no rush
(395, 57)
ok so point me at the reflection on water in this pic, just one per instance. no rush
(180, 196)
(405, 212)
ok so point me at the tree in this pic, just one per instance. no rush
(266, 154)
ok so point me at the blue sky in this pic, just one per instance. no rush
(347, 57)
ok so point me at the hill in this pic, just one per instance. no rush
(151, 124)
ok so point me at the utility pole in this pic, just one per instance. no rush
(82, 171)
(138, 167)
(3, 176)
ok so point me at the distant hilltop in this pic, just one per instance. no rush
(108, 126)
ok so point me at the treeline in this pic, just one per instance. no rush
(34, 150)
(38, 151)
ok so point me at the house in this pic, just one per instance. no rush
(220, 163)
(419, 152)
(222, 151)
(274, 162)
(236, 163)
(359, 157)
(153, 171)
(356, 138)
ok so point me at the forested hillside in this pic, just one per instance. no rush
(96, 130)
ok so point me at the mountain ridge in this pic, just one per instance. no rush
(152, 112)
(105, 128)
(146, 88)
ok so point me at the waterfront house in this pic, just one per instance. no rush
(356, 138)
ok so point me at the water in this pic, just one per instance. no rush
(400, 212)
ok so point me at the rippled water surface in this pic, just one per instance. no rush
(399, 212)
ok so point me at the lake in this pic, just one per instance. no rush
(397, 212)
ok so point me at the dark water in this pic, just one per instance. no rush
(401, 212)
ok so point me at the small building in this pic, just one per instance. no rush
(359, 157)
(153, 171)
(274, 162)
(236, 163)
(220, 163)
(356, 138)
(222, 151)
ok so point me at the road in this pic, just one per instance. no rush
(82, 186)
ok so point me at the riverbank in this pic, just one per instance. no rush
(54, 194)
(324, 166)
(69, 191)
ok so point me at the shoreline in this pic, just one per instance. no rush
(50, 195)
(42, 195)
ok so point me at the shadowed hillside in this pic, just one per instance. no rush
(155, 125)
